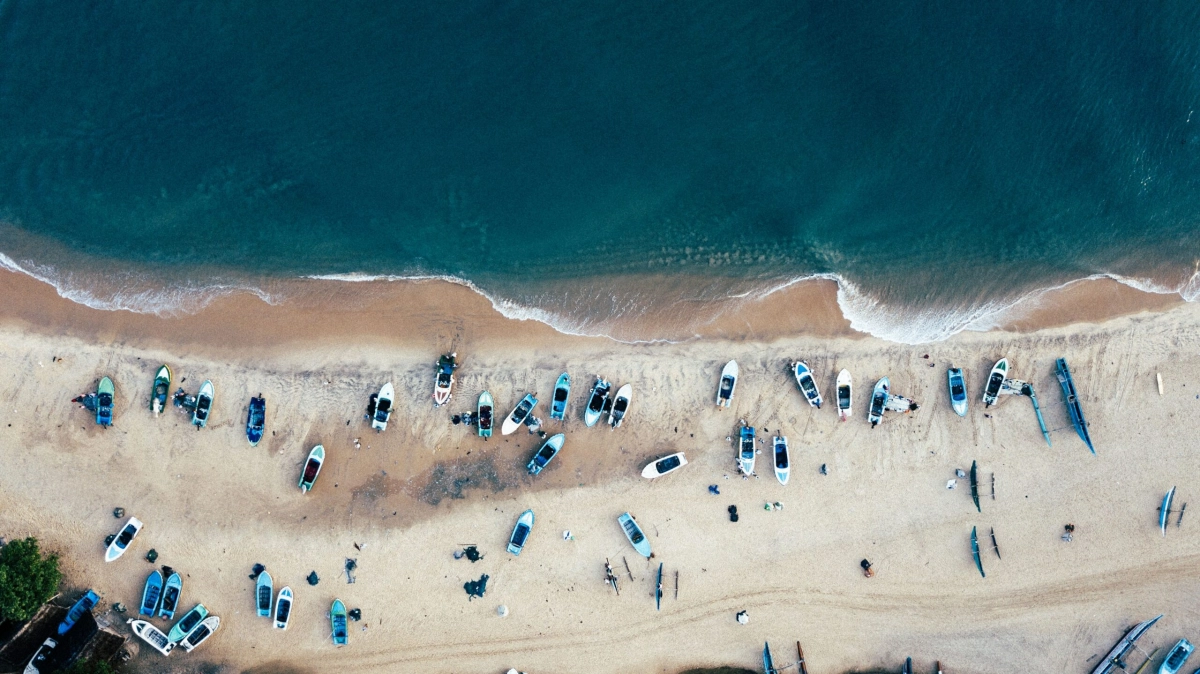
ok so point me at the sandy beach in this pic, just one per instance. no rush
(409, 497)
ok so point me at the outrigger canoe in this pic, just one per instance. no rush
(264, 592)
(562, 393)
(337, 618)
(283, 608)
(620, 406)
(152, 635)
(520, 533)
(634, 533)
(483, 410)
(256, 419)
(782, 463)
(975, 485)
(383, 407)
(1115, 659)
(161, 390)
(519, 414)
(768, 661)
(187, 622)
(84, 605)
(958, 390)
(200, 633)
(204, 401)
(105, 394)
(725, 388)
(808, 385)
(312, 468)
(991, 392)
(1072, 397)
(596, 402)
(746, 450)
(1165, 511)
(667, 464)
(548, 451)
(879, 398)
(121, 543)
(170, 598)
(443, 385)
(845, 391)
(975, 552)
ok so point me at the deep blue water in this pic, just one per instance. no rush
(938, 156)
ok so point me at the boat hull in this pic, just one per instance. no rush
(727, 384)
(562, 395)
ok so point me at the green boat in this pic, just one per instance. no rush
(161, 390)
(104, 402)
(337, 617)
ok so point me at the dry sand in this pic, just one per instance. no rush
(213, 506)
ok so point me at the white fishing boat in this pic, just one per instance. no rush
(200, 633)
(152, 635)
(991, 392)
(783, 466)
(121, 543)
(519, 414)
(665, 465)
(808, 385)
(845, 394)
(283, 608)
(620, 406)
(383, 407)
(725, 388)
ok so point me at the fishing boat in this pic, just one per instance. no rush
(1115, 659)
(256, 419)
(40, 656)
(520, 532)
(1068, 386)
(519, 414)
(170, 598)
(105, 393)
(729, 376)
(768, 661)
(312, 468)
(782, 464)
(444, 382)
(152, 635)
(562, 393)
(264, 592)
(620, 406)
(808, 385)
(991, 392)
(383, 407)
(746, 450)
(200, 633)
(483, 412)
(121, 543)
(845, 391)
(548, 451)
(975, 485)
(161, 390)
(204, 401)
(1165, 511)
(84, 605)
(1176, 657)
(975, 552)
(187, 622)
(337, 618)
(283, 608)
(958, 390)
(634, 533)
(597, 400)
(879, 399)
(667, 464)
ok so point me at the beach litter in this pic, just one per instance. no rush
(118, 513)
(476, 588)
(355, 614)
(714, 490)
(567, 536)
(960, 472)
(502, 611)
(733, 513)
(313, 579)
(951, 484)
(743, 618)
(257, 571)
(152, 556)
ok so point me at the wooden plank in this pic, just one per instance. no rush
(800, 661)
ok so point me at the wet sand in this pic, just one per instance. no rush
(214, 506)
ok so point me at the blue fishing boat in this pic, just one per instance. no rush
(151, 593)
(337, 618)
(958, 390)
(635, 535)
(562, 392)
(520, 532)
(170, 596)
(85, 604)
(264, 593)
(547, 453)
(1072, 396)
(256, 419)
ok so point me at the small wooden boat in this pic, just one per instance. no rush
(151, 594)
(337, 618)
(845, 391)
(121, 543)
(105, 394)
(725, 388)
(187, 622)
(519, 414)
(596, 402)
(562, 393)
(520, 532)
(620, 406)
(161, 390)
(204, 401)
(84, 605)
(549, 450)
(383, 407)
(808, 385)
(256, 419)
(483, 411)
(1115, 659)
(667, 464)
(283, 608)
(152, 635)
(1176, 657)
(634, 533)
(312, 468)
(975, 552)
(1073, 407)
(443, 384)
(879, 399)
(200, 633)
(991, 392)
(264, 592)
(782, 463)
(958, 390)
(170, 598)
(746, 450)
(1164, 512)
(40, 656)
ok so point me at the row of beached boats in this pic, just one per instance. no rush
(629, 526)
(160, 395)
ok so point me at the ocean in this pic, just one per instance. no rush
(580, 163)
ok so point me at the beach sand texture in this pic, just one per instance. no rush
(214, 506)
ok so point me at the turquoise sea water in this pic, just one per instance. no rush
(939, 159)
